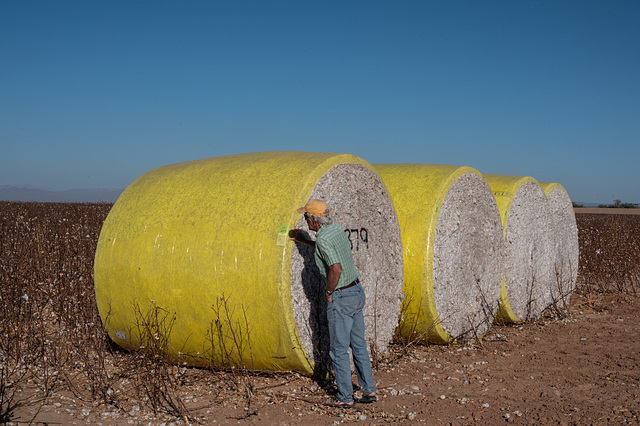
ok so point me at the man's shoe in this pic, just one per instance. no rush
(366, 399)
(335, 402)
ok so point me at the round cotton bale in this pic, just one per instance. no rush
(361, 205)
(529, 251)
(198, 253)
(565, 239)
(452, 248)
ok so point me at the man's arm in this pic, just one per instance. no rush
(335, 271)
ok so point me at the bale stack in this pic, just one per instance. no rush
(529, 254)
(452, 248)
(565, 239)
(206, 242)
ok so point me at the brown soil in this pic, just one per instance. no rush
(577, 366)
(583, 369)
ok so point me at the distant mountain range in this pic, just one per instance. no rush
(81, 195)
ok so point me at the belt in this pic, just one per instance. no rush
(357, 281)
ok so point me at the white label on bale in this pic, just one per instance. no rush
(282, 235)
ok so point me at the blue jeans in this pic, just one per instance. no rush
(346, 328)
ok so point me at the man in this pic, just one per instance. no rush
(345, 298)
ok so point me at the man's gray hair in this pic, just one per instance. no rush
(322, 220)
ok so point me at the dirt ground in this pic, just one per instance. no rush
(580, 366)
(581, 369)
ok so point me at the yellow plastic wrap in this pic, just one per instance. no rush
(207, 242)
(418, 192)
(547, 187)
(504, 188)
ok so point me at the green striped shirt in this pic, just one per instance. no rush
(332, 246)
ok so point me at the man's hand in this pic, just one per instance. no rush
(299, 237)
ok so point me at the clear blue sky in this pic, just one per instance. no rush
(96, 93)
